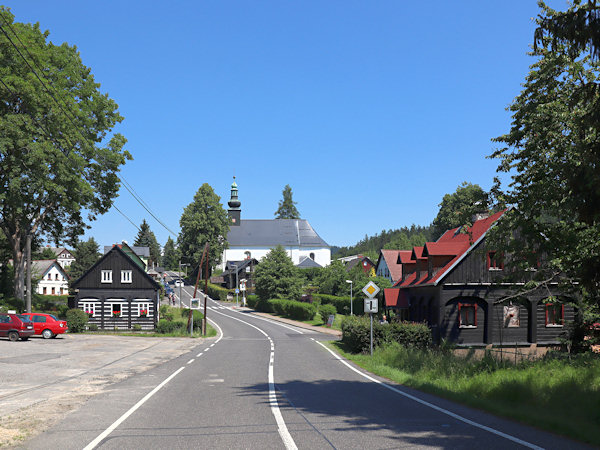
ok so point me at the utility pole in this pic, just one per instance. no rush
(179, 284)
(28, 257)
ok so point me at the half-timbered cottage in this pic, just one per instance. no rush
(117, 293)
(456, 285)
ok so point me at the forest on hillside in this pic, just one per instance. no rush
(404, 238)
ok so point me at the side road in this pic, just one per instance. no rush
(306, 326)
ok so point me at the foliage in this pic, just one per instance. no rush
(146, 238)
(44, 253)
(203, 221)
(277, 277)
(86, 253)
(216, 292)
(457, 209)
(404, 238)
(287, 207)
(552, 155)
(168, 326)
(94, 327)
(327, 310)
(171, 256)
(332, 279)
(293, 309)
(356, 334)
(77, 320)
(59, 163)
(136, 327)
(252, 300)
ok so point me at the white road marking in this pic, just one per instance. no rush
(190, 361)
(284, 433)
(121, 419)
(431, 405)
(274, 322)
(199, 354)
(207, 349)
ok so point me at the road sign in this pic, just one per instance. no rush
(371, 305)
(371, 289)
(237, 291)
(242, 285)
(195, 303)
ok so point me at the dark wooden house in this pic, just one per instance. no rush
(239, 270)
(117, 293)
(456, 285)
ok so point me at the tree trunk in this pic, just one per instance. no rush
(19, 265)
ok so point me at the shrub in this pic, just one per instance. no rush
(342, 304)
(217, 292)
(77, 320)
(325, 311)
(251, 301)
(136, 327)
(93, 327)
(293, 309)
(167, 326)
(356, 334)
(198, 316)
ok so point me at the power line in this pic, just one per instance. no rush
(127, 185)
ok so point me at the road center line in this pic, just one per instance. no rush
(431, 405)
(121, 419)
(190, 361)
(284, 433)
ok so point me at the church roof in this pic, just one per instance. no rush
(270, 233)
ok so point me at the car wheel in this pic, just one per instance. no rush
(47, 334)
(13, 336)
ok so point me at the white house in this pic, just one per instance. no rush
(63, 256)
(53, 278)
(255, 238)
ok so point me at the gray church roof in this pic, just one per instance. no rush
(270, 233)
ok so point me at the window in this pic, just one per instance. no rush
(53, 291)
(39, 319)
(106, 276)
(555, 314)
(49, 276)
(89, 308)
(312, 256)
(125, 276)
(495, 261)
(115, 310)
(56, 277)
(467, 315)
(44, 290)
(511, 316)
(143, 310)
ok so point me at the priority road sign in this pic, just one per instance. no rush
(371, 289)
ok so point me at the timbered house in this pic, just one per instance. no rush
(456, 285)
(117, 293)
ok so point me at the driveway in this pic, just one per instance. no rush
(42, 380)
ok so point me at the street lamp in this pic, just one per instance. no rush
(236, 285)
(350, 281)
(181, 282)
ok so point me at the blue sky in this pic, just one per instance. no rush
(370, 111)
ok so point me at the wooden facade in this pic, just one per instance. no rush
(117, 294)
(461, 296)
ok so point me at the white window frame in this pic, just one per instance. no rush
(106, 276)
(126, 276)
(143, 305)
(110, 308)
(89, 306)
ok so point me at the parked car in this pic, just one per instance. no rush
(47, 325)
(179, 283)
(15, 326)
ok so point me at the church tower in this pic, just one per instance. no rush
(234, 212)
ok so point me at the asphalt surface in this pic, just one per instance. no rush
(265, 384)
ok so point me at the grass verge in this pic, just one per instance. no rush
(559, 394)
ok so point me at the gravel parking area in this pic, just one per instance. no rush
(66, 371)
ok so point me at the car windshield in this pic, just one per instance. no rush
(23, 318)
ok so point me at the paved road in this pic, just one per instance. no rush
(263, 384)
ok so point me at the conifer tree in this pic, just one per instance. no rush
(146, 238)
(287, 207)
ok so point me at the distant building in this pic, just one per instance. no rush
(53, 280)
(255, 238)
(140, 255)
(64, 257)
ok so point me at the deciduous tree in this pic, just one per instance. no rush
(552, 152)
(287, 207)
(59, 162)
(203, 220)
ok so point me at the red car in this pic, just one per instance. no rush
(46, 324)
(15, 326)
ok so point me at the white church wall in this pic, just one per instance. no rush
(322, 256)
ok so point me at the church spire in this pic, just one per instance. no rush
(234, 211)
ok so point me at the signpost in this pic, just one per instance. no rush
(243, 289)
(371, 305)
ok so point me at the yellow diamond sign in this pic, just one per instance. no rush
(371, 289)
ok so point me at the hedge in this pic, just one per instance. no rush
(288, 308)
(217, 292)
(167, 326)
(342, 304)
(356, 334)
(251, 301)
(325, 311)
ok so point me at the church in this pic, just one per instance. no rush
(253, 239)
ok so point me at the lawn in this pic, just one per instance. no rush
(559, 393)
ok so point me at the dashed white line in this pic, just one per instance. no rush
(199, 354)
(190, 361)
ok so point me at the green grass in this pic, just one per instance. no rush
(558, 394)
